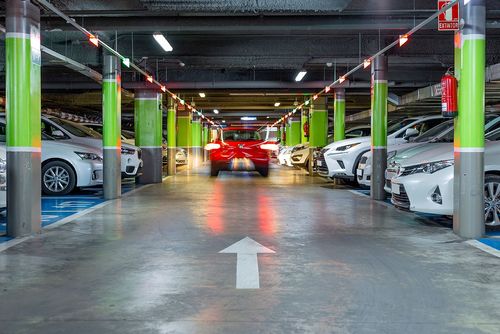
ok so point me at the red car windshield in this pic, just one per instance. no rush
(240, 135)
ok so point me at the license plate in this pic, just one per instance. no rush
(395, 188)
(319, 163)
(359, 172)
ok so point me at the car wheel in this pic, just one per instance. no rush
(492, 200)
(264, 171)
(58, 178)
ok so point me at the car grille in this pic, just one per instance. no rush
(323, 169)
(401, 200)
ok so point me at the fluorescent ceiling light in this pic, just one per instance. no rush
(300, 75)
(202, 94)
(160, 39)
(216, 111)
(248, 118)
(277, 104)
(223, 121)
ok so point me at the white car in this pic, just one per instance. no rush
(300, 156)
(180, 157)
(60, 129)
(340, 159)
(284, 157)
(440, 133)
(424, 182)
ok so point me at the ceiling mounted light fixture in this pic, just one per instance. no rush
(300, 75)
(160, 39)
(277, 104)
(202, 95)
(248, 118)
(216, 111)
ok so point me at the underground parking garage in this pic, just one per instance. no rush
(249, 167)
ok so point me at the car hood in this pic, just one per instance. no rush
(59, 145)
(349, 141)
(425, 153)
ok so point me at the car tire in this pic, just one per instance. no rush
(264, 171)
(491, 184)
(58, 178)
(214, 171)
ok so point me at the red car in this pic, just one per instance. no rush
(240, 149)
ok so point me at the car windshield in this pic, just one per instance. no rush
(128, 134)
(240, 135)
(493, 136)
(434, 133)
(76, 129)
(398, 126)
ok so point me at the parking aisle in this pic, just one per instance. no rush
(317, 258)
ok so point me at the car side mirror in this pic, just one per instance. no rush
(410, 133)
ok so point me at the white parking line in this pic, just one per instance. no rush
(484, 247)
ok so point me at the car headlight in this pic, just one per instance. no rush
(88, 156)
(428, 168)
(346, 147)
(3, 166)
(130, 151)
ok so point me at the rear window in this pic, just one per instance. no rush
(76, 129)
(240, 135)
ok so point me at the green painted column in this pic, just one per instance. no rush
(293, 135)
(469, 147)
(304, 119)
(184, 138)
(318, 123)
(287, 133)
(148, 134)
(278, 131)
(339, 115)
(196, 139)
(456, 173)
(111, 131)
(171, 136)
(23, 108)
(379, 94)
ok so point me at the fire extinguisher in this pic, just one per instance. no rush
(306, 129)
(449, 100)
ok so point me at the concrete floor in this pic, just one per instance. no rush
(150, 263)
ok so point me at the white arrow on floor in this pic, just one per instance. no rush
(247, 265)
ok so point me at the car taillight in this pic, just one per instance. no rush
(212, 146)
(269, 147)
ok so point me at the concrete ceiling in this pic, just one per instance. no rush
(232, 48)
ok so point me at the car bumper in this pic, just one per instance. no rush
(339, 166)
(131, 165)
(241, 164)
(363, 175)
(419, 192)
(89, 173)
(3, 199)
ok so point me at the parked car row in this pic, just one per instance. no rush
(420, 170)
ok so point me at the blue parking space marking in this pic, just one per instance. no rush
(493, 243)
(56, 208)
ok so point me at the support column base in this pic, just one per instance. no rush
(152, 165)
(171, 163)
(24, 193)
(468, 218)
(112, 176)
(379, 165)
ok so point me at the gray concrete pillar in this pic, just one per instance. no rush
(23, 108)
(148, 134)
(111, 131)
(379, 127)
(468, 221)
